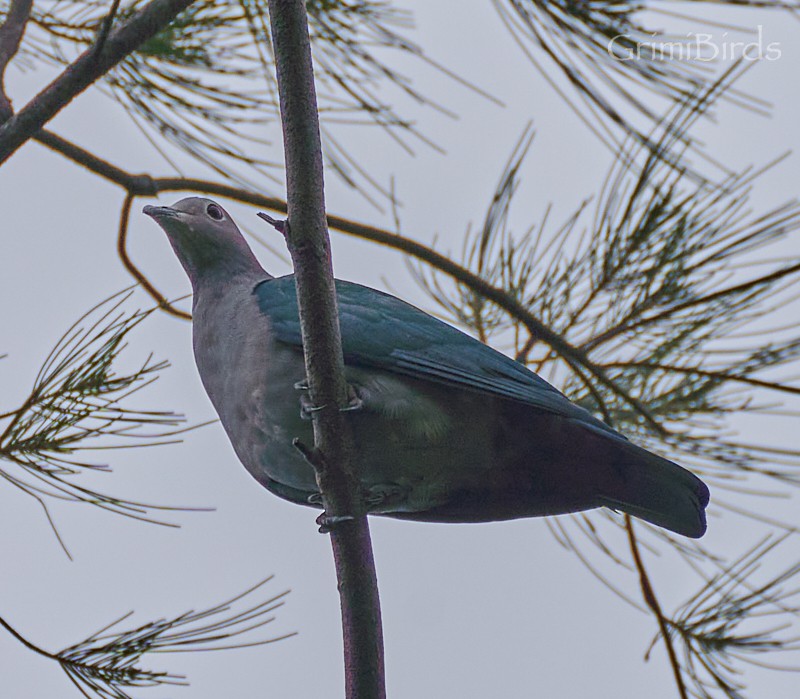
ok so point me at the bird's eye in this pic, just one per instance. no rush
(215, 212)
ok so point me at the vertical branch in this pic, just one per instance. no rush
(309, 245)
(11, 33)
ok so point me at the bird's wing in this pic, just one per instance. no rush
(381, 331)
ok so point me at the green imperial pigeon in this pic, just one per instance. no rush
(447, 429)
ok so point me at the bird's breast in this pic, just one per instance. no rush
(250, 380)
(412, 437)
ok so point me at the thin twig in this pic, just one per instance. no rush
(652, 602)
(25, 642)
(742, 288)
(105, 28)
(136, 273)
(696, 371)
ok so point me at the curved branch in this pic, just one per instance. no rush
(135, 272)
(25, 642)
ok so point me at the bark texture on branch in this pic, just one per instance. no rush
(92, 64)
(11, 33)
(309, 245)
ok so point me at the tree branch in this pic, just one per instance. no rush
(696, 371)
(742, 288)
(135, 272)
(652, 602)
(10, 38)
(85, 70)
(24, 641)
(108, 663)
(307, 238)
(140, 185)
(105, 27)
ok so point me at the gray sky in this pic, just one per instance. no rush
(469, 610)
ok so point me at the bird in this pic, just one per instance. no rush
(447, 429)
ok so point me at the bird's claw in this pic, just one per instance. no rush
(327, 523)
(307, 408)
(354, 401)
(354, 405)
(377, 495)
(314, 499)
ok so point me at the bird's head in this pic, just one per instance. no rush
(206, 240)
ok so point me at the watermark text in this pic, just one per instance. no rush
(697, 46)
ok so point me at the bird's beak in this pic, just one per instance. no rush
(158, 212)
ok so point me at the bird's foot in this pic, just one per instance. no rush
(307, 407)
(315, 499)
(354, 401)
(327, 523)
(378, 497)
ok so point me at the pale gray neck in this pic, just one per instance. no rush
(214, 267)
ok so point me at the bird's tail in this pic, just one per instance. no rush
(658, 491)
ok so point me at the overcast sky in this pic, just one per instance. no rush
(469, 611)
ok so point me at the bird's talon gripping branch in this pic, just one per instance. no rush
(353, 406)
(315, 499)
(307, 407)
(377, 495)
(301, 385)
(327, 523)
(354, 402)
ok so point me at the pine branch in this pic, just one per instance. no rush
(205, 85)
(78, 403)
(84, 71)
(711, 624)
(106, 664)
(637, 291)
(618, 79)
